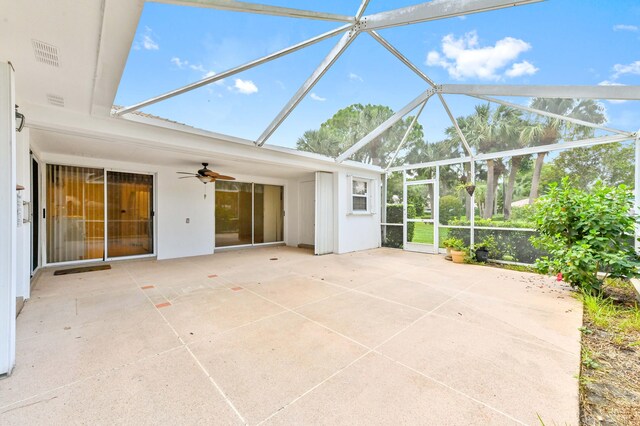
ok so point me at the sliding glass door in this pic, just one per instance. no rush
(74, 213)
(88, 220)
(248, 214)
(129, 214)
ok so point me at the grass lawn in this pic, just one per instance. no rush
(423, 233)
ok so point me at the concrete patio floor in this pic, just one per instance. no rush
(278, 336)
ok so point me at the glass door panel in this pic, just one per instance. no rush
(74, 213)
(268, 214)
(420, 216)
(129, 214)
(233, 214)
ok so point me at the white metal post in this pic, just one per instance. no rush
(472, 219)
(8, 220)
(436, 210)
(637, 190)
(404, 209)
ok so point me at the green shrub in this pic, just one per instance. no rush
(586, 233)
(523, 214)
(394, 233)
(514, 246)
(451, 207)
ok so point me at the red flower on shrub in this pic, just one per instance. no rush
(559, 276)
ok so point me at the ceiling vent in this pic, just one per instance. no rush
(55, 100)
(45, 53)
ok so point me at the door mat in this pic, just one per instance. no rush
(82, 269)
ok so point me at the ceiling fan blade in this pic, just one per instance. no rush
(210, 173)
(187, 177)
(186, 173)
(223, 177)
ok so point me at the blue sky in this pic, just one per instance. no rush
(553, 42)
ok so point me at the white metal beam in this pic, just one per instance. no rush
(326, 63)
(402, 58)
(426, 164)
(457, 127)
(518, 152)
(232, 71)
(263, 9)
(361, 9)
(385, 125)
(570, 92)
(436, 9)
(552, 115)
(406, 134)
(555, 147)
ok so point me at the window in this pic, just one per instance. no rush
(360, 196)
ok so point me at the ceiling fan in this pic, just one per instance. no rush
(205, 175)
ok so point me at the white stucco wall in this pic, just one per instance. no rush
(179, 199)
(356, 232)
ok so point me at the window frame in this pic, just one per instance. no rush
(367, 196)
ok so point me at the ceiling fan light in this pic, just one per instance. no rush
(204, 179)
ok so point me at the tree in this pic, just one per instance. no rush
(319, 141)
(351, 124)
(547, 130)
(613, 164)
(492, 131)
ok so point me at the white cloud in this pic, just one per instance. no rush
(620, 69)
(199, 68)
(179, 62)
(246, 87)
(147, 42)
(521, 68)
(317, 98)
(623, 27)
(464, 57)
(355, 77)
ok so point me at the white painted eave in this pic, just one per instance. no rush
(158, 134)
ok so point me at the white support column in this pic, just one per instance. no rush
(404, 209)
(637, 190)
(8, 220)
(472, 218)
(228, 73)
(436, 208)
(384, 126)
(324, 66)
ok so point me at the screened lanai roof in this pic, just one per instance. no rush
(267, 72)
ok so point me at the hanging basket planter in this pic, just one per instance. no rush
(470, 189)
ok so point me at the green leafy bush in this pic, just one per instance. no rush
(523, 214)
(586, 233)
(394, 233)
(451, 207)
(514, 246)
